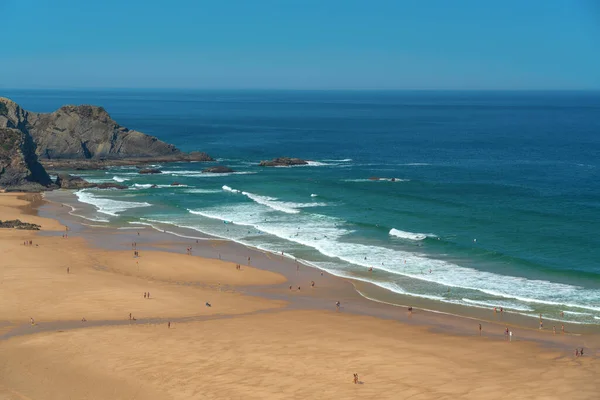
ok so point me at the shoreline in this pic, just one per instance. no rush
(253, 339)
(452, 319)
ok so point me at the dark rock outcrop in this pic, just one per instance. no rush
(111, 185)
(20, 169)
(218, 169)
(88, 134)
(149, 171)
(18, 224)
(66, 181)
(283, 162)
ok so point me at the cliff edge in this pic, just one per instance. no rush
(87, 133)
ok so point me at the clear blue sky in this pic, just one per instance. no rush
(307, 44)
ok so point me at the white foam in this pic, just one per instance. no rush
(200, 174)
(149, 185)
(270, 202)
(500, 304)
(576, 313)
(119, 179)
(326, 235)
(108, 206)
(314, 195)
(202, 191)
(273, 203)
(409, 235)
(343, 160)
(229, 189)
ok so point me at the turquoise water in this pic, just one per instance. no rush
(495, 196)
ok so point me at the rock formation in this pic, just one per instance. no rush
(218, 169)
(149, 171)
(283, 162)
(66, 181)
(20, 169)
(17, 224)
(73, 135)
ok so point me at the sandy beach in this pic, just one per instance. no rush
(238, 333)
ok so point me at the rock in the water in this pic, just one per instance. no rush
(20, 169)
(111, 185)
(17, 224)
(87, 133)
(218, 169)
(66, 181)
(283, 162)
(149, 171)
(153, 187)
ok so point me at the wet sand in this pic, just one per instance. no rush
(257, 340)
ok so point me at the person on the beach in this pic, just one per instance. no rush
(355, 379)
(290, 287)
(312, 283)
(32, 321)
(337, 305)
(148, 294)
(495, 310)
(479, 329)
(83, 319)
(554, 329)
(68, 269)
(370, 269)
(576, 352)
(410, 310)
(581, 352)
(541, 324)
(562, 328)
(501, 310)
(169, 325)
(144, 294)
(248, 260)
(298, 288)
(130, 316)
(506, 333)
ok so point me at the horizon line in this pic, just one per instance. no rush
(296, 89)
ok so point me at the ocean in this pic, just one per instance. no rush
(484, 199)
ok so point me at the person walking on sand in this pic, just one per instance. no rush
(130, 316)
(32, 321)
(68, 269)
(541, 324)
(144, 294)
(479, 329)
(562, 328)
(554, 329)
(169, 325)
(148, 294)
(337, 305)
(355, 379)
(312, 283)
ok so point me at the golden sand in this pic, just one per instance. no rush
(240, 348)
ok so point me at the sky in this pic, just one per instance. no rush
(308, 44)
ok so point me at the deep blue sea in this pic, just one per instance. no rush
(494, 195)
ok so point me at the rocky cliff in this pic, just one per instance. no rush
(20, 169)
(87, 133)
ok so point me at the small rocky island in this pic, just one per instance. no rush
(283, 162)
(218, 169)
